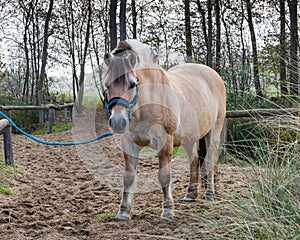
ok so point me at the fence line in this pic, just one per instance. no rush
(51, 108)
(261, 112)
(6, 127)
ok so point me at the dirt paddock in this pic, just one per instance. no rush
(68, 193)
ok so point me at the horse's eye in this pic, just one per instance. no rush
(132, 85)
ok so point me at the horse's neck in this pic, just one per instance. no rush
(152, 74)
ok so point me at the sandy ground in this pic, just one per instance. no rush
(68, 193)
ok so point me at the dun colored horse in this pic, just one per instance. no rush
(149, 106)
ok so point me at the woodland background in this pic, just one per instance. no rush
(53, 46)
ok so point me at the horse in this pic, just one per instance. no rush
(150, 106)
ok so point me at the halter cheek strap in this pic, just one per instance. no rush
(121, 101)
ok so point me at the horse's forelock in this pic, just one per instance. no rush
(143, 51)
(123, 46)
(119, 67)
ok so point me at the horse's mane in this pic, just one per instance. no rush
(145, 55)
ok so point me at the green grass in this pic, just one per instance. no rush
(177, 151)
(4, 189)
(6, 175)
(104, 215)
(270, 209)
(56, 128)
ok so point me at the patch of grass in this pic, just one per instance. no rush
(270, 207)
(74, 214)
(56, 128)
(177, 151)
(6, 175)
(104, 215)
(5, 168)
(4, 189)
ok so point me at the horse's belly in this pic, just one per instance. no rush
(192, 127)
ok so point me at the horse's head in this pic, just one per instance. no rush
(121, 84)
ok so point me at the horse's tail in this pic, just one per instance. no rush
(201, 157)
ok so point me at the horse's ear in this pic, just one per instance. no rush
(133, 58)
(107, 58)
(155, 58)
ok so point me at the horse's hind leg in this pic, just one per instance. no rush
(213, 143)
(201, 155)
(191, 150)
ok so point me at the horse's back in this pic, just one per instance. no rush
(204, 97)
(201, 78)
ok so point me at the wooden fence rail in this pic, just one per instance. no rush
(6, 127)
(261, 112)
(51, 108)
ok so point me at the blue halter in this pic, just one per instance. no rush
(121, 101)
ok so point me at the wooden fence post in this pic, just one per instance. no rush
(65, 115)
(50, 119)
(8, 152)
(73, 115)
(40, 102)
(223, 138)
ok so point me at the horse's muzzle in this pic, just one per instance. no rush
(118, 123)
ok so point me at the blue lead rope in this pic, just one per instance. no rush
(54, 143)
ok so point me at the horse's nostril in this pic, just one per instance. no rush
(110, 122)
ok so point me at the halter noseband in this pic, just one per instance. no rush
(121, 101)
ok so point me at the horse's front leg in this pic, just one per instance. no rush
(164, 176)
(130, 152)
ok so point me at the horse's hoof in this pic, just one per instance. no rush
(209, 197)
(190, 197)
(123, 216)
(167, 213)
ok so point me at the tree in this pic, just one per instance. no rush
(283, 84)
(209, 34)
(254, 50)
(294, 39)
(113, 23)
(84, 55)
(123, 20)
(45, 53)
(188, 34)
(134, 19)
(218, 35)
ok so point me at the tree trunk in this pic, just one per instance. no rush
(134, 19)
(45, 47)
(123, 20)
(27, 60)
(209, 33)
(283, 85)
(113, 23)
(85, 52)
(254, 50)
(188, 34)
(203, 22)
(294, 75)
(218, 35)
